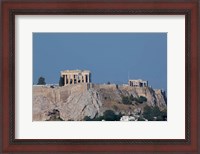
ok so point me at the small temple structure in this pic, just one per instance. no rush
(138, 83)
(76, 76)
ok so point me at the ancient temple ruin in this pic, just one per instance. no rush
(138, 83)
(76, 76)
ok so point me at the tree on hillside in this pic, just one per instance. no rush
(126, 100)
(41, 81)
(154, 114)
(110, 115)
(132, 98)
(142, 99)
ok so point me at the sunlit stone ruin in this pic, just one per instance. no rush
(84, 76)
(138, 83)
(76, 76)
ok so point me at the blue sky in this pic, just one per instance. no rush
(112, 57)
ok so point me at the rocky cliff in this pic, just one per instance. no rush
(75, 102)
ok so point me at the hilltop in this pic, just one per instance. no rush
(77, 102)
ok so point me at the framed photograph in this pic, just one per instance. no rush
(100, 76)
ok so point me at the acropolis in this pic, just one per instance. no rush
(84, 76)
(76, 76)
(76, 98)
(138, 83)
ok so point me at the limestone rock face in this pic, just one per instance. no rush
(74, 102)
(80, 104)
(155, 97)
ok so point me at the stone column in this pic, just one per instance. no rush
(88, 78)
(84, 79)
(66, 79)
(73, 79)
(64, 76)
(68, 76)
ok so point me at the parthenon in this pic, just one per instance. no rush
(76, 76)
(138, 83)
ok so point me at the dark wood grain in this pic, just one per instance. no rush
(188, 8)
(1, 117)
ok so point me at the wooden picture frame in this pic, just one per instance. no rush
(189, 9)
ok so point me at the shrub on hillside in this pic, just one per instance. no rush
(108, 115)
(87, 118)
(154, 114)
(129, 99)
(126, 100)
(132, 98)
(142, 99)
(141, 119)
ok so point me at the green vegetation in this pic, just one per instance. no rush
(126, 100)
(154, 114)
(141, 119)
(149, 113)
(87, 118)
(130, 99)
(55, 119)
(108, 115)
(54, 116)
(141, 99)
(41, 81)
